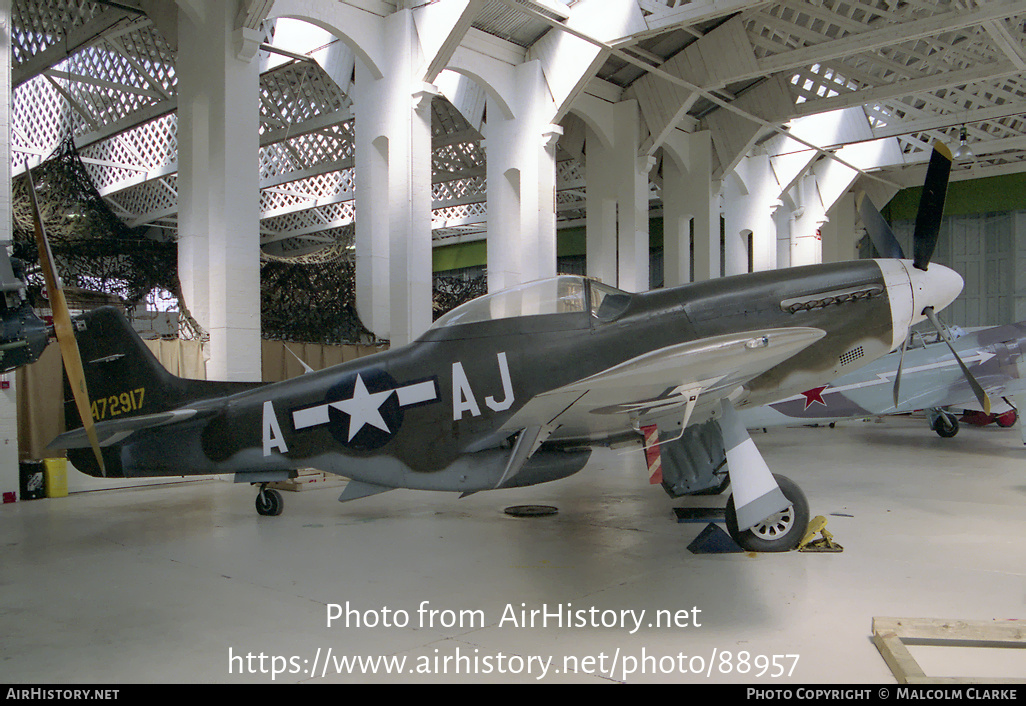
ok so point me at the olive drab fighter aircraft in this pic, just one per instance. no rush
(516, 387)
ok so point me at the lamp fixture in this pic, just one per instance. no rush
(963, 151)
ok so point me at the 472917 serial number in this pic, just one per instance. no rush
(118, 404)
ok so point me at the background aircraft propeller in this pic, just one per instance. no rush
(878, 230)
(981, 394)
(63, 327)
(924, 239)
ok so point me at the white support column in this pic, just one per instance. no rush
(751, 200)
(372, 161)
(600, 211)
(632, 199)
(617, 209)
(521, 168)
(393, 164)
(782, 221)
(839, 231)
(676, 223)
(9, 475)
(809, 217)
(218, 190)
(737, 207)
(701, 196)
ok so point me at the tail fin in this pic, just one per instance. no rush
(126, 380)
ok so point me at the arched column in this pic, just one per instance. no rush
(218, 189)
(521, 171)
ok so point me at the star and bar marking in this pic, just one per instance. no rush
(364, 408)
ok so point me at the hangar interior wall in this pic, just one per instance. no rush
(989, 251)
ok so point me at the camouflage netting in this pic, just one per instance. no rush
(309, 298)
(92, 248)
(449, 292)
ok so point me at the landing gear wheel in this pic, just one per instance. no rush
(1007, 419)
(269, 502)
(778, 533)
(946, 425)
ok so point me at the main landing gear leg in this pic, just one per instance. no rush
(269, 501)
(765, 512)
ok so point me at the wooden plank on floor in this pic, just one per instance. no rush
(889, 634)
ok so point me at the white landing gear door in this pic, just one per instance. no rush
(756, 493)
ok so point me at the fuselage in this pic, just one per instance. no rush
(432, 414)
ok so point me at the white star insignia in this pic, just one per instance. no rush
(364, 408)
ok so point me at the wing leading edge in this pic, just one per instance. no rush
(666, 383)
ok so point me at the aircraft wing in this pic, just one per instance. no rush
(666, 383)
(114, 431)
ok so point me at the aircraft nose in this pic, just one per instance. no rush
(911, 290)
(936, 287)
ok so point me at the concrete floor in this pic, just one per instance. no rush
(169, 584)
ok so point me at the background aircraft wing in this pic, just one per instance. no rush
(666, 383)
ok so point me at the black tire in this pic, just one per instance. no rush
(269, 502)
(1006, 420)
(781, 532)
(946, 426)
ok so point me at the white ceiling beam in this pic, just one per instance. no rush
(314, 124)
(900, 89)
(708, 95)
(77, 38)
(952, 119)
(140, 69)
(886, 36)
(665, 19)
(441, 28)
(101, 83)
(1011, 47)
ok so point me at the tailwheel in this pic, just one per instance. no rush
(782, 531)
(269, 501)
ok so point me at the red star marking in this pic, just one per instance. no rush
(815, 395)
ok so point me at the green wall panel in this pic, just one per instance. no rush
(990, 195)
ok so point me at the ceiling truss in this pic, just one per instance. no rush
(921, 70)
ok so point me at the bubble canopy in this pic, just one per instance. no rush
(565, 294)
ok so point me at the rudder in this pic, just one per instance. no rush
(125, 379)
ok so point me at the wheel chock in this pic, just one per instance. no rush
(713, 540)
(826, 541)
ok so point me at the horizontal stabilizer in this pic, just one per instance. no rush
(114, 431)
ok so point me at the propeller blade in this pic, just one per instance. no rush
(64, 329)
(897, 376)
(981, 394)
(931, 205)
(879, 232)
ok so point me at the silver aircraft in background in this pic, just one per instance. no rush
(931, 380)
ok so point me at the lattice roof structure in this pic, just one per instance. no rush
(921, 70)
